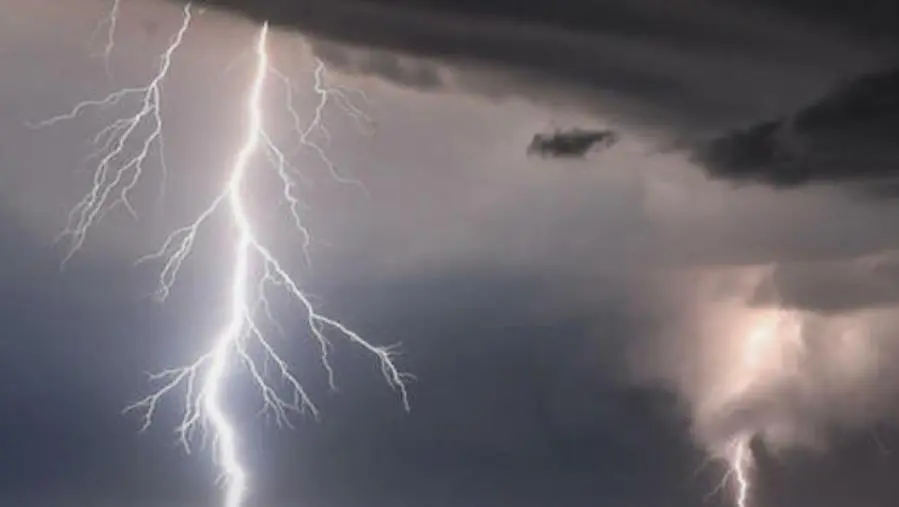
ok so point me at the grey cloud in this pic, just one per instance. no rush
(684, 72)
(848, 135)
(832, 287)
(703, 66)
(398, 69)
(875, 18)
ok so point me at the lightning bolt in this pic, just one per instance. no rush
(738, 457)
(110, 21)
(742, 460)
(740, 463)
(254, 269)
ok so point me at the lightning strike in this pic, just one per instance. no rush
(740, 465)
(254, 269)
(740, 461)
(738, 457)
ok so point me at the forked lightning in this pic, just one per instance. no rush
(254, 269)
(739, 464)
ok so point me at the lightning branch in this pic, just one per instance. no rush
(254, 270)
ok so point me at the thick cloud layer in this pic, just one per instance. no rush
(848, 135)
(833, 287)
(794, 71)
(697, 64)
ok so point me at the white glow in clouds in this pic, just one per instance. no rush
(769, 350)
(783, 376)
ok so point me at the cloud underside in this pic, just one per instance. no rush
(848, 136)
(832, 287)
(695, 67)
(821, 111)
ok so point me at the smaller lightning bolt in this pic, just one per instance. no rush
(119, 170)
(326, 95)
(110, 22)
(739, 465)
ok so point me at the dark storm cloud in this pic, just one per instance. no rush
(848, 135)
(574, 143)
(690, 23)
(697, 64)
(689, 70)
(408, 72)
(873, 18)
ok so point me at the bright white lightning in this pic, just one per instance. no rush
(241, 338)
(740, 464)
(119, 171)
(738, 457)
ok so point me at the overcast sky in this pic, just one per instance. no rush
(570, 323)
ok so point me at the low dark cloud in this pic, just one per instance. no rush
(877, 19)
(575, 143)
(846, 136)
(403, 71)
(784, 88)
(697, 65)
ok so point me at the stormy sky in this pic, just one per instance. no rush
(572, 324)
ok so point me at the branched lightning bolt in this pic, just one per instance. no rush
(738, 457)
(326, 95)
(255, 267)
(119, 169)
